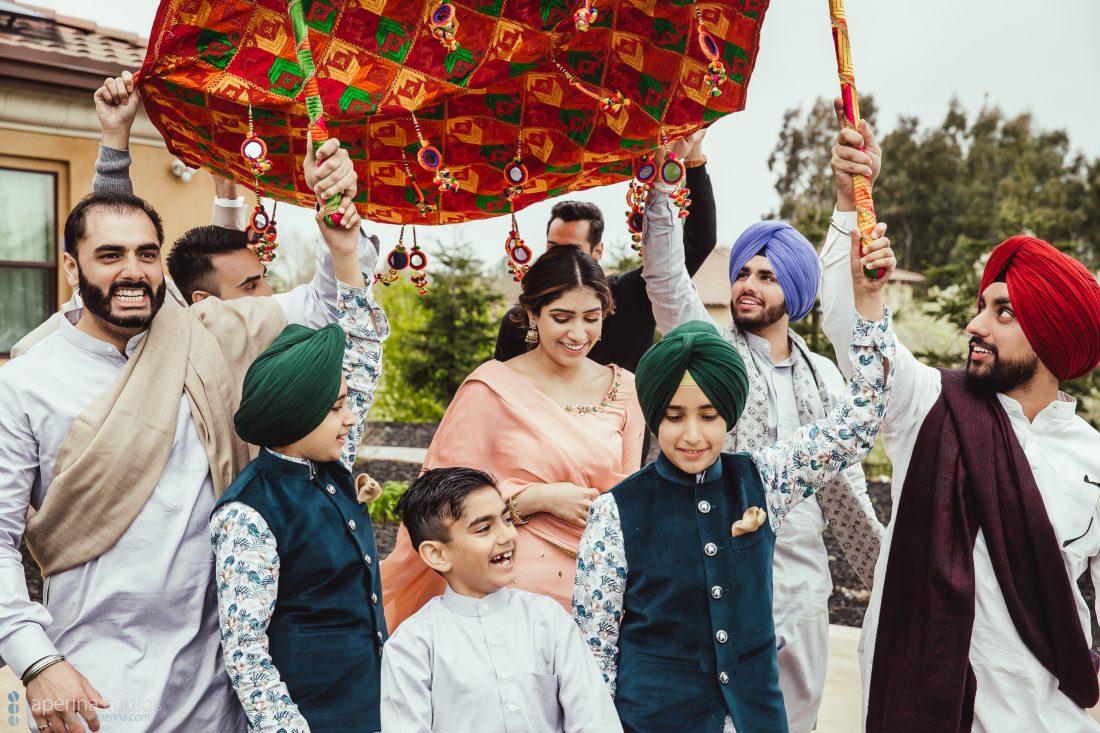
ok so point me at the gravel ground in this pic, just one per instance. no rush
(406, 434)
(383, 471)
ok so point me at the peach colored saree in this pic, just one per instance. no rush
(499, 423)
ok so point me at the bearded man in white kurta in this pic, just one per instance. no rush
(117, 430)
(976, 622)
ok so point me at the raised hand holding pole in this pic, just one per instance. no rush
(865, 206)
(318, 131)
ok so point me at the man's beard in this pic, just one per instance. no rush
(1002, 376)
(98, 303)
(766, 317)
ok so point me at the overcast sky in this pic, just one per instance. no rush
(913, 56)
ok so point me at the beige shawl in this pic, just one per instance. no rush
(114, 453)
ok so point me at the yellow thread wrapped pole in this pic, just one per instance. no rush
(865, 206)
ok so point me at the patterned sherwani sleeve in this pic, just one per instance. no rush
(916, 386)
(587, 705)
(600, 585)
(365, 325)
(247, 582)
(795, 468)
(314, 304)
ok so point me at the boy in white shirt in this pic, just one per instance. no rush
(484, 656)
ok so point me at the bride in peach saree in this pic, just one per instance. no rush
(551, 455)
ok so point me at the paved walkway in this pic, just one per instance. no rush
(842, 705)
(391, 453)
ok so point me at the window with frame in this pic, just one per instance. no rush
(28, 252)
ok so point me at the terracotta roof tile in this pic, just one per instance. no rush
(43, 38)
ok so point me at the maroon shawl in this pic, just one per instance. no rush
(967, 473)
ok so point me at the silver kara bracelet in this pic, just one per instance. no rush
(40, 666)
(842, 230)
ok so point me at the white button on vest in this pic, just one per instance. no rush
(331, 489)
(721, 636)
(367, 559)
(716, 592)
(710, 549)
(704, 507)
(374, 599)
(724, 678)
(351, 524)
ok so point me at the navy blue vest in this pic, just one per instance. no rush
(697, 640)
(327, 630)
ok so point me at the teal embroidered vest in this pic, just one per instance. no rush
(697, 641)
(327, 629)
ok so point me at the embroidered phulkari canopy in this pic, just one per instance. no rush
(515, 70)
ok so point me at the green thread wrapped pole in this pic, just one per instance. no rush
(318, 131)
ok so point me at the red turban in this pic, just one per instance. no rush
(1055, 298)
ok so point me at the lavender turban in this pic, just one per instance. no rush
(793, 260)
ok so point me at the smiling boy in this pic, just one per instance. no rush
(674, 573)
(483, 656)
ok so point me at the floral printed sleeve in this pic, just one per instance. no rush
(247, 568)
(365, 324)
(793, 469)
(600, 584)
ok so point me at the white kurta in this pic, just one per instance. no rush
(1015, 692)
(802, 580)
(511, 662)
(141, 621)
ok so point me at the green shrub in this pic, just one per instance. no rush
(383, 508)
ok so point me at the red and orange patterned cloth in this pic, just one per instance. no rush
(377, 60)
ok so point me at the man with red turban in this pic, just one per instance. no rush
(976, 622)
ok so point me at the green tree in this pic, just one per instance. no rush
(619, 257)
(950, 193)
(982, 179)
(437, 339)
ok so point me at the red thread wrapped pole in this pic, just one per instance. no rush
(318, 131)
(865, 206)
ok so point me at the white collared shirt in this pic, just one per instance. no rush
(511, 662)
(156, 583)
(1015, 692)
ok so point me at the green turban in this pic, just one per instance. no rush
(291, 386)
(697, 348)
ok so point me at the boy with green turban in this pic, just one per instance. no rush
(299, 593)
(674, 573)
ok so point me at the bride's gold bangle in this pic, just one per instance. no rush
(517, 518)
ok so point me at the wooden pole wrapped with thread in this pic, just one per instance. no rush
(865, 206)
(318, 131)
